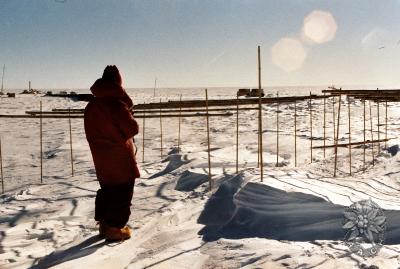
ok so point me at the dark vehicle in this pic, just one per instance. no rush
(257, 92)
(243, 92)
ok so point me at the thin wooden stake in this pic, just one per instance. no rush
(277, 132)
(208, 143)
(386, 118)
(379, 132)
(311, 131)
(337, 135)
(161, 135)
(41, 144)
(260, 117)
(70, 141)
(349, 115)
(372, 134)
(295, 134)
(143, 128)
(364, 136)
(1, 169)
(334, 119)
(324, 124)
(258, 140)
(179, 124)
(237, 134)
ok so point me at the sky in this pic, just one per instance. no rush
(62, 44)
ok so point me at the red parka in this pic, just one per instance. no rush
(110, 128)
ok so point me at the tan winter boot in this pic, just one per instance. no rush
(113, 234)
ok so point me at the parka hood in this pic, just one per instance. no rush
(103, 89)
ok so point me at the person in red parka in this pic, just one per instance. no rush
(110, 128)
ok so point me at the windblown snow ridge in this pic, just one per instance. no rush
(258, 210)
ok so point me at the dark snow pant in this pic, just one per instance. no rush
(112, 205)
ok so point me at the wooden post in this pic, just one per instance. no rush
(2, 79)
(208, 143)
(258, 143)
(379, 133)
(277, 131)
(337, 135)
(161, 134)
(179, 124)
(41, 143)
(334, 119)
(295, 133)
(260, 133)
(364, 136)
(386, 118)
(237, 134)
(1, 169)
(324, 123)
(70, 141)
(155, 86)
(311, 130)
(143, 128)
(349, 115)
(372, 134)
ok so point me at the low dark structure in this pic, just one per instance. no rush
(73, 95)
(243, 92)
(250, 92)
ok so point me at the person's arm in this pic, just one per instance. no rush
(125, 121)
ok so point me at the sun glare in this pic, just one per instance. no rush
(288, 54)
(319, 26)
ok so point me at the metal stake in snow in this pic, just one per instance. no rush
(260, 117)
(337, 135)
(208, 143)
(311, 133)
(372, 133)
(379, 144)
(1, 169)
(386, 117)
(348, 105)
(70, 141)
(161, 134)
(155, 86)
(324, 126)
(364, 136)
(144, 122)
(179, 123)
(2, 79)
(41, 144)
(277, 131)
(334, 119)
(237, 134)
(295, 134)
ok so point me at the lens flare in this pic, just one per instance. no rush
(319, 26)
(288, 54)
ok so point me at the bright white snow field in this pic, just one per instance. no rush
(290, 220)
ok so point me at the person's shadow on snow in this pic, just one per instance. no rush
(85, 248)
(258, 210)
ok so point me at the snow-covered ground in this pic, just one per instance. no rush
(290, 220)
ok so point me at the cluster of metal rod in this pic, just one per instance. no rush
(178, 111)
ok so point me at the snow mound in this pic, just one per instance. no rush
(258, 210)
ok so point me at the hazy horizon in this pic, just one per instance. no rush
(366, 87)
